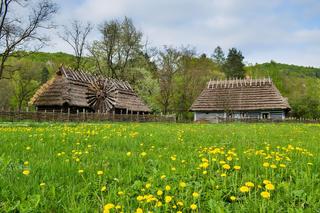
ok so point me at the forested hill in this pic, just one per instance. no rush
(300, 84)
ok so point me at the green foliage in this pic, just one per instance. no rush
(132, 155)
(299, 84)
(234, 66)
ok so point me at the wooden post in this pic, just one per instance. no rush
(77, 114)
(113, 114)
(68, 114)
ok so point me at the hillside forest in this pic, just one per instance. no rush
(167, 78)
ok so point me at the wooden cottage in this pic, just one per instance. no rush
(76, 91)
(240, 98)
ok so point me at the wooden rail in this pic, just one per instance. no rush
(82, 117)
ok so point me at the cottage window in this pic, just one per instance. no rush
(265, 115)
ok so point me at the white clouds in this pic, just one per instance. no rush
(263, 30)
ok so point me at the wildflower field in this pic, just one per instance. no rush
(153, 167)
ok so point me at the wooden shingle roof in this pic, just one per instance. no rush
(71, 87)
(240, 95)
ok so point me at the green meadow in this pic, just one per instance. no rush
(159, 167)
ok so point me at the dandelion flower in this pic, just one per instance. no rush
(233, 198)
(26, 172)
(270, 187)
(182, 184)
(104, 188)
(266, 164)
(223, 175)
(193, 206)
(159, 192)
(265, 182)
(120, 193)
(100, 173)
(129, 154)
(148, 185)
(139, 210)
(159, 204)
(26, 163)
(80, 171)
(168, 199)
(249, 184)
(168, 188)
(195, 195)
(265, 194)
(282, 165)
(180, 203)
(236, 167)
(42, 184)
(273, 166)
(244, 189)
(163, 177)
(107, 207)
(226, 166)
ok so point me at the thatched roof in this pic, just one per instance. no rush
(71, 87)
(240, 95)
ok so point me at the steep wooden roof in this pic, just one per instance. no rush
(71, 87)
(240, 95)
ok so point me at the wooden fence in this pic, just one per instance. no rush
(82, 117)
(260, 120)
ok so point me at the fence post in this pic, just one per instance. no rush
(113, 114)
(78, 115)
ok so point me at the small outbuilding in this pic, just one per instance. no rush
(240, 99)
(74, 91)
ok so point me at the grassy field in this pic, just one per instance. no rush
(128, 167)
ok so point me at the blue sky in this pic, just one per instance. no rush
(286, 31)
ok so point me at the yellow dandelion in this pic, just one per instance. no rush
(266, 164)
(273, 166)
(270, 187)
(143, 154)
(180, 203)
(236, 167)
(193, 206)
(168, 199)
(265, 194)
(139, 210)
(182, 184)
(104, 188)
(100, 173)
(159, 204)
(168, 188)
(244, 189)
(223, 175)
(42, 184)
(80, 171)
(205, 172)
(226, 166)
(159, 192)
(148, 185)
(195, 195)
(163, 177)
(26, 163)
(282, 165)
(265, 182)
(233, 198)
(249, 184)
(26, 172)
(107, 207)
(129, 154)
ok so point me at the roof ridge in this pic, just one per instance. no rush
(238, 82)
